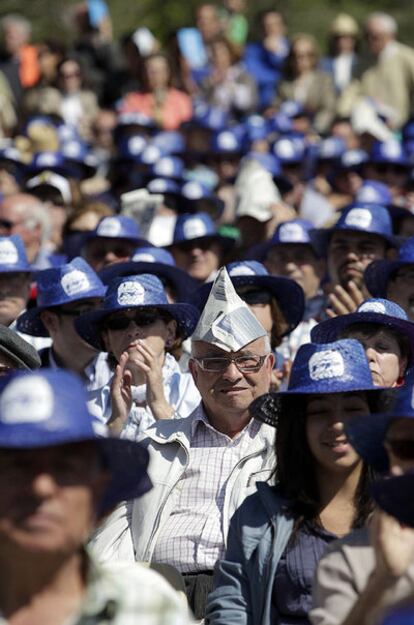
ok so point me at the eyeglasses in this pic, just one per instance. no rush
(249, 363)
(401, 448)
(255, 296)
(141, 318)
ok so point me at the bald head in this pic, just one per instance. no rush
(24, 214)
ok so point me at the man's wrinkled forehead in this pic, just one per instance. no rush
(202, 348)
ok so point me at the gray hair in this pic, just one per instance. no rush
(33, 215)
(387, 22)
(14, 19)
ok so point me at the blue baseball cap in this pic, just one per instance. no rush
(48, 408)
(367, 218)
(52, 161)
(130, 147)
(395, 495)
(330, 149)
(134, 118)
(157, 261)
(256, 127)
(226, 142)
(117, 227)
(77, 154)
(250, 273)
(13, 258)
(72, 282)
(351, 160)
(209, 117)
(135, 291)
(379, 272)
(197, 227)
(377, 311)
(165, 186)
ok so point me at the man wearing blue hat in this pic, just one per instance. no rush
(57, 478)
(113, 240)
(63, 294)
(204, 465)
(362, 234)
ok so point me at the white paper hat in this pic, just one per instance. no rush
(226, 321)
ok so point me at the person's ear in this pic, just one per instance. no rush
(50, 320)
(192, 367)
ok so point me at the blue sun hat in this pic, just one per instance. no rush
(52, 161)
(130, 147)
(325, 368)
(194, 192)
(395, 495)
(117, 227)
(168, 167)
(330, 149)
(373, 192)
(379, 272)
(366, 218)
(293, 232)
(198, 227)
(157, 261)
(57, 286)
(377, 311)
(391, 151)
(169, 141)
(367, 434)
(289, 150)
(79, 157)
(226, 141)
(164, 186)
(351, 160)
(13, 258)
(129, 292)
(249, 273)
(48, 408)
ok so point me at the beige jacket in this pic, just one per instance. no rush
(342, 575)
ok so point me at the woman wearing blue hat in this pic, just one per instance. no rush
(137, 326)
(278, 534)
(385, 333)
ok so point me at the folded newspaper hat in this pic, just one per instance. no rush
(226, 321)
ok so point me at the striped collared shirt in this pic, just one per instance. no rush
(192, 539)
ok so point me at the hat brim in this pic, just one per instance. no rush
(378, 273)
(88, 325)
(394, 495)
(137, 241)
(183, 283)
(366, 435)
(322, 237)
(329, 330)
(126, 461)
(287, 292)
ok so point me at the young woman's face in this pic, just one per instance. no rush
(384, 355)
(141, 325)
(325, 429)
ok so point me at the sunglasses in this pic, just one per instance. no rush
(401, 448)
(141, 318)
(255, 296)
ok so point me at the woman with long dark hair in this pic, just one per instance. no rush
(278, 535)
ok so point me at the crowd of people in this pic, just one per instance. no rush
(207, 322)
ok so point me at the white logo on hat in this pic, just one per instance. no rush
(130, 293)
(192, 191)
(284, 149)
(136, 145)
(241, 270)
(144, 258)
(194, 228)
(150, 154)
(227, 141)
(392, 149)
(158, 185)
(75, 282)
(47, 159)
(376, 307)
(292, 233)
(359, 217)
(72, 149)
(325, 365)
(28, 400)
(8, 253)
(165, 167)
(109, 227)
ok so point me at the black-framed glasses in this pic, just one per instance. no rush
(141, 318)
(401, 448)
(246, 363)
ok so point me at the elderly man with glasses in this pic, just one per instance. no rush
(202, 467)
